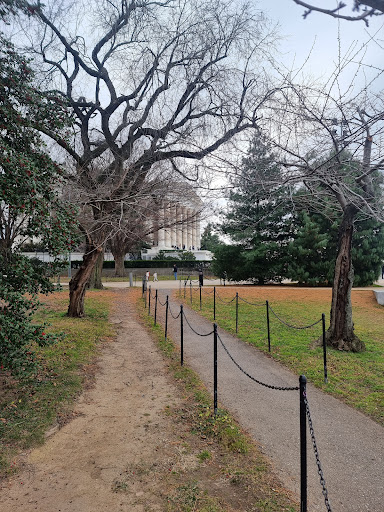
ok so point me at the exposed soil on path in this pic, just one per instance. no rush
(128, 447)
(118, 422)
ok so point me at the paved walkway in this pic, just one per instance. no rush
(351, 446)
(172, 284)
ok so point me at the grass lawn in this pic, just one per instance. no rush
(28, 408)
(357, 379)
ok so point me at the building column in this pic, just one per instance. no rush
(167, 229)
(184, 228)
(150, 225)
(160, 232)
(173, 220)
(189, 228)
(179, 227)
(194, 230)
(198, 238)
(155, 227)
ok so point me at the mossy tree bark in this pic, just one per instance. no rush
(340, 334)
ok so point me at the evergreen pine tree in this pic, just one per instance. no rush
(209, 239)
(367, 251)
(313, 250)
(258, 219)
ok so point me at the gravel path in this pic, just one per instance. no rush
(351, 446)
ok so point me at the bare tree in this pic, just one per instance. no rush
(335, 149)
(368, 9)
(140, 222)
(147, 81)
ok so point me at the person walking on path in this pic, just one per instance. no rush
(201, 278)
(155, 277)
(175, 271)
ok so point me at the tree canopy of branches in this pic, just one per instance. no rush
(148, 82)
(29, 207)
(364, 9)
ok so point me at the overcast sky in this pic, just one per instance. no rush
(322, 31)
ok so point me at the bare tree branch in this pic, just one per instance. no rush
(376, 9)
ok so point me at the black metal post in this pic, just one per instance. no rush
(215, 368)
(185, 287)
(214, 302)
(324, 350)
(181, 336)
(145, 296)
(200, 297)
(155, 307)
(268, 327)
(149, 301)
(190, 290)
(237, 311)
(166, 318)
(303, 445)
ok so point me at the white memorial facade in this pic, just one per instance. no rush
(178, 228)
(175, 226)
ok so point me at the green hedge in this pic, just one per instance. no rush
(150, 264)
(160, 263)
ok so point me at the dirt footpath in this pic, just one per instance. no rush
(118, 432)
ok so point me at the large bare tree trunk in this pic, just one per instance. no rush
(340, 334)
(119, 264)
(78, 284)
(95, 279)
(119, 250)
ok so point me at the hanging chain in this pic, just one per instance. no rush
(318, 463)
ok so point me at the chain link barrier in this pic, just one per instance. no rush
(192, 329)
(316, 451)
(294, 326)
(261, 305)
(269, 386)
(278, 388)
(251, 303)
(159, 301)
(207, 292)
(172, 315)
(223, 301)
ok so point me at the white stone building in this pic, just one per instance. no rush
(176, 226)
